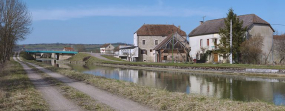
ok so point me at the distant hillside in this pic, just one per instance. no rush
(60, 46)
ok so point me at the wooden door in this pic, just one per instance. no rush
(216, 57)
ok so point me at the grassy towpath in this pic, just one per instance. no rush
(116, 102)
(51, 95)
(17, 92)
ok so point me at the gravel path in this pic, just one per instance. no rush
(116, 102)
(98, 55)
(52, 96)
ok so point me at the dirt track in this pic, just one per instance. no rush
(114, 101)
(55, 100)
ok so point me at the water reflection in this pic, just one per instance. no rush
(53, 63)
(241, 88)
(232, 87)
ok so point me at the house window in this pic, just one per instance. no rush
(143, 52)
(201, 42)
(208, 42)
(215, 43)
(164, 57)
(150, 50)
(143, 42)
(156, 42)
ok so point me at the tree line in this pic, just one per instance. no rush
(15, 24)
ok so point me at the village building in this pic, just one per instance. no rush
(206, 35)
(68, 49)
(107, 49)
(127, 52)
(149, 36)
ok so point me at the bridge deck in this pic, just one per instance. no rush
(62, 52)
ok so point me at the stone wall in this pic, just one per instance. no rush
(148, 46)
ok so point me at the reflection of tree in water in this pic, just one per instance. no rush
(164, 80)
(233, 87)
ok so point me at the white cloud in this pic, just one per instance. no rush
(65, 14)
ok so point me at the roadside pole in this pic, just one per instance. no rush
(172, 47)
(231, 43)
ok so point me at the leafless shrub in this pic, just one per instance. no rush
(279, 47)
(251, 50)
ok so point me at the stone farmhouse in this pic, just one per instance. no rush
(107, 49)
(155, 43)
(207, 34)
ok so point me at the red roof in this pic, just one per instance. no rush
(158, 30)
(279, 37)
(68, 49)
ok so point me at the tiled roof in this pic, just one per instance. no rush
(68, 49)
(158, 30)
(105, 45)
(279, 37)
(213, 26)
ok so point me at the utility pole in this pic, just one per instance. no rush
(231, 42)
(172, 47)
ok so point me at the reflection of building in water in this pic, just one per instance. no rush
(128, 75)
(147, 78)
(200, 85)
(234, 89)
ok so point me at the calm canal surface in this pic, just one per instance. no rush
(241, 88)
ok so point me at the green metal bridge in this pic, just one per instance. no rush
(59, 52)
(54, 54)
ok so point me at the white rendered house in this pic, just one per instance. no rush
(206, 35)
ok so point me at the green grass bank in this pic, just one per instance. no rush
(17, 92)
(82, 100)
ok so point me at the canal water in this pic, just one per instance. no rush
(240, 88)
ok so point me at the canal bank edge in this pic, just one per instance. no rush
(79, 58)
(232, 71)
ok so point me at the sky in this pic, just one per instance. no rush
(111, 21)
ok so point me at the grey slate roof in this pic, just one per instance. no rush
(213, 26)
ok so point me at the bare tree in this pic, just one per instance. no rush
(251, 50)
(15, 22)
(279, 44)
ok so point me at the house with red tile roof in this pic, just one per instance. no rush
(107, 49)
(153, 42)
(68, 49)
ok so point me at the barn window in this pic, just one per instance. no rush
(208, 42)
(143, 52)
(201, 42)
(156, 42)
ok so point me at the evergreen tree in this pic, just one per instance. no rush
(237, 36)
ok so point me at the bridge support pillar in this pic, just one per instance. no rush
(35, 56)
(57, 56)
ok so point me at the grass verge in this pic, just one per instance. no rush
(17, 92)
(81, 99)
(112, 58)
(91, 60)
(162, 99)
